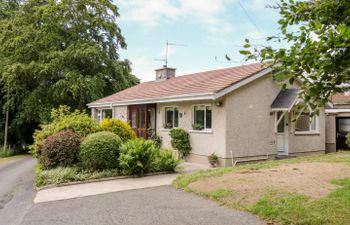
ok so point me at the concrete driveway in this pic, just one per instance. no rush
(16, 188)
(162, 205)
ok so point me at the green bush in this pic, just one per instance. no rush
(136, 156)
(164, 160)
(100, 151)
(61, 149)
(8, 152)
(180, 141)
(62, 119)
(120, 128)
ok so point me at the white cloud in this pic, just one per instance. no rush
(208, 14)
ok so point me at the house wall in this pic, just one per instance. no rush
(120, 112)
(331, 133)
(203, 143)
(250, 123)
(308, 143)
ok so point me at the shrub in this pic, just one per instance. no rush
(8, 152)
(100, 151)
(164, 161)
(157, 139)
(61, 149)
(120, 128)
(180, 141)
(136, 156)
(68, 174)
(62, 119)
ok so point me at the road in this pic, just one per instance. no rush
(16, 189)
(162, 205)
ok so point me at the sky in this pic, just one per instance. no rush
(208, 29)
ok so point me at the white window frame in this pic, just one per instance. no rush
(205, 129)
(316, 131)
(178, 117)
(101, 115)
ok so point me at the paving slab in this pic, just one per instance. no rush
(102, 187)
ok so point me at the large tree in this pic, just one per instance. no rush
(316, 34)
(55, 52)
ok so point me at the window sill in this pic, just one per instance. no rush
(164, 130)
(300, 133)
(201, 131)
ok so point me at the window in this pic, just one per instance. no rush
(171, 117)
(306, 124)
(202, 117)
(104, 113)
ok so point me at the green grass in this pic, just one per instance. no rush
(183, 181)
(68, 174)
(4, 153)
(283, 207)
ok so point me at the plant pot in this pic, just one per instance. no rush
(213, 163)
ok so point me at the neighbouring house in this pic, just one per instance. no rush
(239, 113)
(338, 122)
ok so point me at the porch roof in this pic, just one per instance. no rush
(285, 100)
(208, 85)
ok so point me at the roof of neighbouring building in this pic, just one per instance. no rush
(285, 99)
(341, 98)
(209, 82)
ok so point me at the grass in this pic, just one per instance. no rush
(4, 153)
(68, 174)
(284, 207)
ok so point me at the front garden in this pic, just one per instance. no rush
(74, 147)
(305, 191)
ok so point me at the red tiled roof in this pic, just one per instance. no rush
(193, 84)
(341, 98)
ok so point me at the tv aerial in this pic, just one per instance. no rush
(165, 59)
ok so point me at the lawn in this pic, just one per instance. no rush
(307, 190)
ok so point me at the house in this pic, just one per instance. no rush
(338, 122)
(239, 113)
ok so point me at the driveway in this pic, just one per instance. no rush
(162, 205)
(16, 188)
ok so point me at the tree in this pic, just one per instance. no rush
(59, 53)
(317, 36)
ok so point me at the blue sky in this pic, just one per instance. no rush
(208, 28)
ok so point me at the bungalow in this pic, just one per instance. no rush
(239, 113)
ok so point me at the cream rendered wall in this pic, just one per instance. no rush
(308, 142)
(203, 144)
(120, 112)
(250, 125)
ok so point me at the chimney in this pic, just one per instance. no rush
(165, 73)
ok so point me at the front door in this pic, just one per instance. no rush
(142, 119)
(343, 128)
(281, 133)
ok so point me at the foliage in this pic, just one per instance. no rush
(100, 151)
(213, 157)
(136, 156)
(180, 141)
(317, 35)
(68, 174)
(61, 149)
(62, 119)
(197, 126)
(164, 160)
(54, 53)
(156, 138)
(8, 152)
(120, 128)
